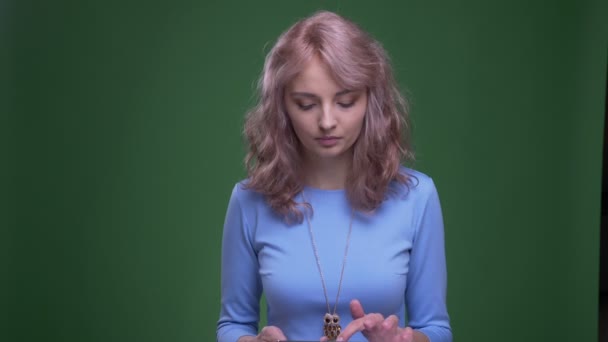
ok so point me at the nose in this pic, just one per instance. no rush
(327, 120)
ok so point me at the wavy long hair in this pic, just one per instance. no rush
(356, 61)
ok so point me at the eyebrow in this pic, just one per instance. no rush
(303, 94)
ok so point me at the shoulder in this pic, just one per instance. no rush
(253, 205)
(244, 195)
(419, 185)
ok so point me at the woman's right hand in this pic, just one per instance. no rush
(267, 334)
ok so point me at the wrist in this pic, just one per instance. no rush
(420, 337)
(247, 338)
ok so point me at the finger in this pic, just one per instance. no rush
(356, 309)
(352, 328)
(324, 339)
(373, 321)
(391, 323)
(363, 324)
(272, 333)
(407, 335)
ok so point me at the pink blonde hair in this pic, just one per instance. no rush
(356, 61)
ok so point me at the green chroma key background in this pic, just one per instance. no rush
(121, 142)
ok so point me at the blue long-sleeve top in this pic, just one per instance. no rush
(396, 263)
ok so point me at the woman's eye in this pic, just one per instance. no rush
(346, 105)
(306, 107)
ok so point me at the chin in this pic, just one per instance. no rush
(329, 154)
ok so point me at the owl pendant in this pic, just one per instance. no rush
(331, 326)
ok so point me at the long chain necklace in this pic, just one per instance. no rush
(331, 320)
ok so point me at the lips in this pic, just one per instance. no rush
(328, 141)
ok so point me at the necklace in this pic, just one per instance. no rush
(331, 321)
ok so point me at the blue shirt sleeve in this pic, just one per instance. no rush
(240, 282)
(427, 279)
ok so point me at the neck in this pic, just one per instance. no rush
(326, 174)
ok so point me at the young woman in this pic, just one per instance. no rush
(340, 237)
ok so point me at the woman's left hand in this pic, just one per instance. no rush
(376, 328)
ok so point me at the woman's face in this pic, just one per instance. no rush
(327, 119)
